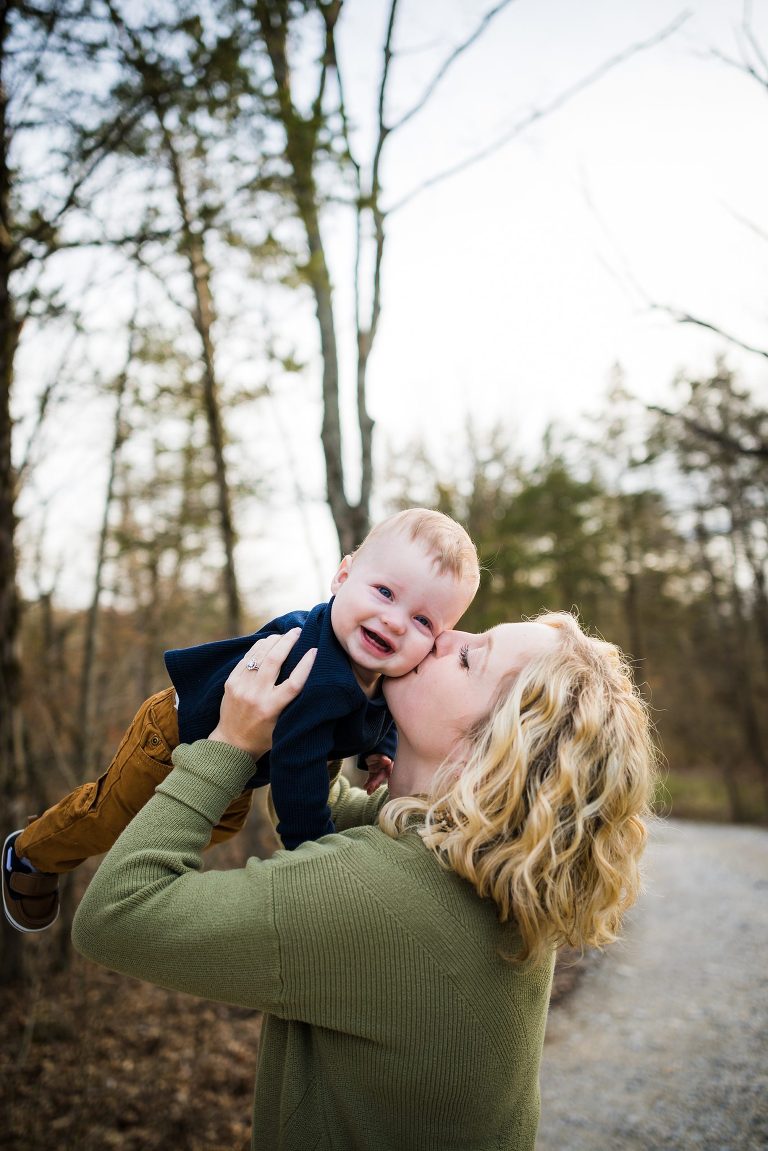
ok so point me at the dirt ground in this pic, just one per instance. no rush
(91, 1060)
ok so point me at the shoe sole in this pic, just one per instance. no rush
(9, 839)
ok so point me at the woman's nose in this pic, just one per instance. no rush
(449, 642)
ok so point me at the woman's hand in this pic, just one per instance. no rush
(252, 698)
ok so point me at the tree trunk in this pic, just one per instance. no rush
(11, 750)
(351, 520)
(745, 691)
(758, 568)
(738, 812)
(192, 245)
(84, 743)
(633, 614)
(10, 671)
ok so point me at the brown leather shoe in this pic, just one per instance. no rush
(30, 898)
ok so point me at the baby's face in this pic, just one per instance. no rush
(391, 604)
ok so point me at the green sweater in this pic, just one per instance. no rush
(391, 1021)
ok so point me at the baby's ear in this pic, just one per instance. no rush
(342, 573)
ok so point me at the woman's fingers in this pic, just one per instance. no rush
(268, 654)
(298, 677)
(253, 700)
(265, 659)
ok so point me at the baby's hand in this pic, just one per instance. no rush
(379, 771)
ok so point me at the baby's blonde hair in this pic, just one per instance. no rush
(449, 543)
(543, 807)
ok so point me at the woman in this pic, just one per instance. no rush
(404, 963)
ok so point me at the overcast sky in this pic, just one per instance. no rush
(515, 286)
(512, 289)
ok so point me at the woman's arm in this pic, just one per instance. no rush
(150, 911)
(352, 806)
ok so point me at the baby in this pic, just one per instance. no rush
(413, 576)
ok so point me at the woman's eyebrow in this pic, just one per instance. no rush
(485, 655)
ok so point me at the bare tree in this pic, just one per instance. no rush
(84, 743)
(321, 131)
(729, 492)
(39, 56)
(174, 90)
(752, 62)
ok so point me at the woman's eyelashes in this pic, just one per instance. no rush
(464, 656)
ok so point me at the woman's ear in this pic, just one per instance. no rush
(342, 574)
(461, 755)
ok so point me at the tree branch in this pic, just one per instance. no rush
(366, 336)
(94, 155)
(378, 214)
(448, 63)
(760, 450)
(28, 79)
(761, 233)
(330, 13)
(346, 135)
(44, 402)
(749, 33)
(687, 318)
(553, 105)
(742, 66)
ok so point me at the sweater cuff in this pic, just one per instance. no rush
(207, 776)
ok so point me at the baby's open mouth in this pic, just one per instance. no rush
(377, 641)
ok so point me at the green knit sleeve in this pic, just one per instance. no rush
(151, 911)
(353, 807)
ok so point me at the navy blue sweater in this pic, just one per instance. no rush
(332, 718)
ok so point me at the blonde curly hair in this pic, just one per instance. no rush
(544, 806)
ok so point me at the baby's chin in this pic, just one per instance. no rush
(394, 668)
(395, 671)
(389, 682)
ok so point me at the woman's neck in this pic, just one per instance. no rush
(411, 775)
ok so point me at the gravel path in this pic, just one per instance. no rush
(663, 1045)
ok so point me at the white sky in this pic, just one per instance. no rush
(499, 293)
(512, 289)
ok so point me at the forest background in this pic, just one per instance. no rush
(223, 352)
(198, 232)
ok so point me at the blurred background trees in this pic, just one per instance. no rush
(656, 532)
(173, 177)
